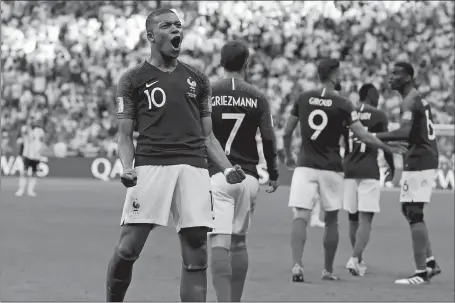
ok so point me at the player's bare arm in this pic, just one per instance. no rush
(387, 156)
(269, 147)
(126, 117)
(287, 140)
(371, 140)
(402, 133)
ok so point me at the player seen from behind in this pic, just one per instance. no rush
(419, 168)
(31, 145)
(323, 115)
(239, 109)
(362, 188)
(170, 102)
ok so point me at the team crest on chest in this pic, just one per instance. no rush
(192, 87)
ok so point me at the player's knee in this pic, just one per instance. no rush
(132, 240)
(238, 242)
(331, 218)
(194, 248)
(220, 240)
(353, 217)
(413, 212)
(366, 217)
(301, 214)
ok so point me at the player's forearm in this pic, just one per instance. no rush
(396, 135)
(287, 142)
(216, 153)
(126, 151)
(270, 155)
(389, 159)
(373, 142)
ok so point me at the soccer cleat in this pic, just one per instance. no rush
(328, 276)
(416, 279)
(362, 269)
(31, 194)
(297, 273)
(317, 223)
(19, 193)
(433, 269)
(353, 266)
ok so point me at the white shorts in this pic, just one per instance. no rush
(361, 195)
(417, 186)
(233, 204)
(180, 190)
(308, 182)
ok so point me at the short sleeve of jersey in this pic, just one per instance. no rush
(349, 112)
(126, 107)
(204, 94)
(407, 109)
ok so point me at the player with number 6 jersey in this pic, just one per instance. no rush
(323, 115)
(238, 111)
(419, 168)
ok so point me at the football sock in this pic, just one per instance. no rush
(429, 250)
(119, 275)
(22, 183)
(419, 235)
(31, 184)
(221, 273)
(239, 263)
(298, 239)
(330, 239)
(193, 285)
(363, 234)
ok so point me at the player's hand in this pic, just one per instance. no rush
(273, 185)
(290, 163)
(129, 178)
(389, 175)
(234, 175)
(397, 147)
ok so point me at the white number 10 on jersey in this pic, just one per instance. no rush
(151, 97)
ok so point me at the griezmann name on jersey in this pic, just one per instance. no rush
(238, 110)
(323, 119)
(167, 108)
(361, 161)
(422, 152)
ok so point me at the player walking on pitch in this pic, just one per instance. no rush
(170, 102)
(239, 109)
(419, 168)
(323, 116)
(31, 142)
(362, 188)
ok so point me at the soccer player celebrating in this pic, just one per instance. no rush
(31, 145)
(170, 102)
(420, 164)
(323, 116)
(361, 172)
(239, 109)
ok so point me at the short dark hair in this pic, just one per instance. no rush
(158, 12)
(363, 91)
(234, 54)
(407, 67)
(326, 67)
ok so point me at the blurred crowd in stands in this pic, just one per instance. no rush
(61, 59)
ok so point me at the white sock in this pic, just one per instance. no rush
(31, 184)
(316, 211)
(22, 183)
(430, 259)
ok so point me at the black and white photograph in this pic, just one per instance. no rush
(227, 151)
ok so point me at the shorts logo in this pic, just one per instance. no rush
(120, 105)
(424, 183)
(192, 87)
(136, 205)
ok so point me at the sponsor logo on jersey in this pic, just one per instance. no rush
(234, 101)
(120, 106)
(320, 102)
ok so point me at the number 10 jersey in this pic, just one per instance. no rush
(323, 119)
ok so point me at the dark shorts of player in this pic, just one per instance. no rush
(29, 163)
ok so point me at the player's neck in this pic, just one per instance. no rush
(406, 90)
(161, 62)
(328, 87)
(234, 75)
